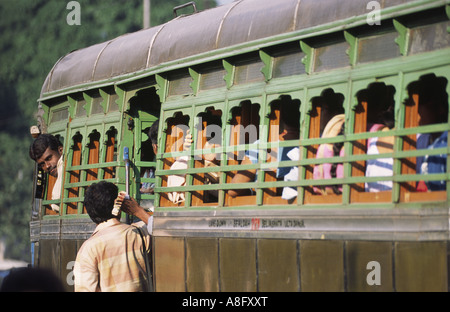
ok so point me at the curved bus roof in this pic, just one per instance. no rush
(216, 31)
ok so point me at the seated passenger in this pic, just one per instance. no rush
(380, 117)
(379, 167)
(148, 187)
(436, 164)
(433, 109)
(332, 120)
(210, 160)
(334, 128)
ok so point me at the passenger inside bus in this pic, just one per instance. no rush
(209, 134)
(432, 109)
(173, 180)
(378, 103)
(47, 151)
(148, 187)
(332, 118)
(380, 117)
(210, 137)
(288, 130)
(175, 133)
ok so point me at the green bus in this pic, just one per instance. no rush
(232, 78)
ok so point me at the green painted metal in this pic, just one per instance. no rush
(303, 87)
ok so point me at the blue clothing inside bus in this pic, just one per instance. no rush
(430, 164)
(287, 173)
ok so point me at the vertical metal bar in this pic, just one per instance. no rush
(126, 159)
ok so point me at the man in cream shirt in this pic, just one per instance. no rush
(47, 152)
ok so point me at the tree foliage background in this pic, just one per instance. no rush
(34, 34)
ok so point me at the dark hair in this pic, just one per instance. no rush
(40, 145)
(380, 103)
(99, 201)
(153, 132)
(290, 111)
(432, 91)
(31, 280)
(331, 101)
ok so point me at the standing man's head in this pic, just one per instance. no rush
(99, 201)
(46, 150)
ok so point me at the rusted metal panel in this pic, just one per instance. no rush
(369, 266)
(169, 264)
(49, 255)
(421, 266)
(202, 264)
(278, 265)
(69, 250)
(322, 265)
(237, 264)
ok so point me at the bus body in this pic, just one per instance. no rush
(239, 64)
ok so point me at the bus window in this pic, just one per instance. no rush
(74, 175)
(330, 52)
(208, 136)
(175, 132)
(145, 108)
(93, 146)
(244, 130)
(147, 155)
(248, 70)
(111, 153)
(426, 105)
(326, 120)
(374, 112)
(284, 125)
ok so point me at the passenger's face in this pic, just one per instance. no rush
(49, 161)
(427, 115)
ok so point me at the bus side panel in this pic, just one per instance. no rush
(237, 264)
(369, 266)
(278, 268)
(202, 270)
(69, 250)
(169, 264)
(421, 266)
(49, 255)
(322, 265)
(250, 264)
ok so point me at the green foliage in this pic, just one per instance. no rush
(34, 34)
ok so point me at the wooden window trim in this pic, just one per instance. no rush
(109, 172)
(75, 175)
